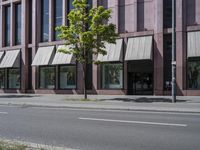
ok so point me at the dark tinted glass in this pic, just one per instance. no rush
(18, 24)
(58, 16)
(7, 26)
(167, 13)
(45, 20)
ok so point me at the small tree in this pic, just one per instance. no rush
(87, 32)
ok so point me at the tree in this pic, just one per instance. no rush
(87, 32)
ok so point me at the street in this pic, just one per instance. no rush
(101, 130)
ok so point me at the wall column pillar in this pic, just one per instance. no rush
(181, 46)
(24, 50)
(158, 48)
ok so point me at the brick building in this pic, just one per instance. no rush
(138, 64)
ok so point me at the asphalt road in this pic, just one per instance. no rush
(101, 130)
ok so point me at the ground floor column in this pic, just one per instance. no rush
(181, 62)
(158, 64)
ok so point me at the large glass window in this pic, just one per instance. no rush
(14, 78)
(30, 21)
(67, 77)
(112, 76)
(7, 26)
(193, 74)
(18, 24)
(58, 15)
(167, 13)
(2, 78)
(45, 21)
(47, 78)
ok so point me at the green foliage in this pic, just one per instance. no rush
(88, 31)
(8, 146)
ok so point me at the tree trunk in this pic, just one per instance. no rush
(84, 80)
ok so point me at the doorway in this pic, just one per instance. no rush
(140, 78)
(140, 83)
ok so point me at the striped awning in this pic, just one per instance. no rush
(193, 44)
(114, 52)
(11, 59)
(43, 56)
(62, 58)
(139, 48)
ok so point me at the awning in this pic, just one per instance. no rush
(11, 59)
(139, 48)
(193, 45)
(43, 56)
(114, 52)
(62, 58)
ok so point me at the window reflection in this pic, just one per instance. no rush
(194, 74)
(18, 24)
(45, 20)
(7, 26)
(2, 78)
(112, 76)
(47, 77)
(58, 16)
(68, 77)
(14, 78)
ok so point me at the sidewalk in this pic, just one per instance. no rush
(105, 102)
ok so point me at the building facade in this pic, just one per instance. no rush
(138, 64)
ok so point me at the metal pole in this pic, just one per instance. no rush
(173, 51)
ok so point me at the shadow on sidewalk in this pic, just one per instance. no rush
(146, 100)
(18, 96)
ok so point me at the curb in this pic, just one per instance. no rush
(34, 146)
(102, 108)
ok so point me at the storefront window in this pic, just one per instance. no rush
(47, 77)
(112, 76)
(2, 79)
(194, 74)
(68, 77)
(14, 78)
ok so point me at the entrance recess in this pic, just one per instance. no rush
(140, 78)
(139, 56)
(140, 83)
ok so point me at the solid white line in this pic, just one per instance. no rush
(5, 113)
(134, 122)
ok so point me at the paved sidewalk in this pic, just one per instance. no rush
(106, 102)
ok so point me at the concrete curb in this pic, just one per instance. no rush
(34, 146)
(148, 109)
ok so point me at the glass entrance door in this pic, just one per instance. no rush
(140, 83)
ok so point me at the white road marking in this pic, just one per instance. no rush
(5, 113)
(134, 122)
